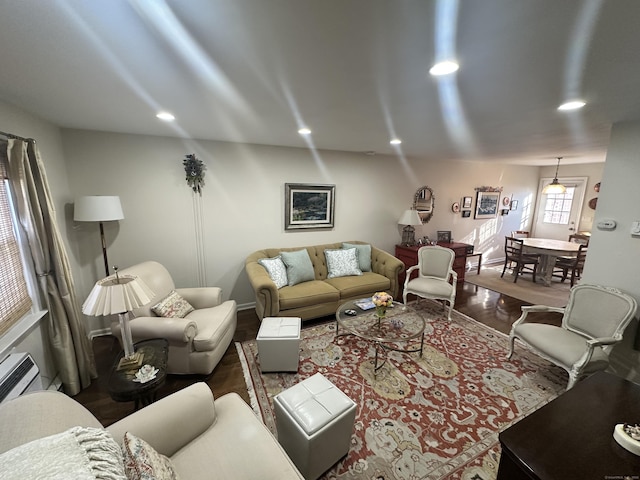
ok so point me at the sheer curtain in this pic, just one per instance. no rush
(65, 328)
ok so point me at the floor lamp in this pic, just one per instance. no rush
(98, 208)
(119, 294)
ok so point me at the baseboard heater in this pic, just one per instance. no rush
(19, 374)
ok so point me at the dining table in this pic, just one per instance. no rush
(549, 249)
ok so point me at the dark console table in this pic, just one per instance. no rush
(572, 436)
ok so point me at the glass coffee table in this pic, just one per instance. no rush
(402, 324)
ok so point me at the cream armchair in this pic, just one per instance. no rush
(198, 341)
(436, 278)
(593, 320)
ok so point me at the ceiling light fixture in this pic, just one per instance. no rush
(572, 105)
(304, 131)
(555, 186)
(444, 68)
(166, 116)
(395, 141)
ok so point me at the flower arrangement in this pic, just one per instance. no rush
(382, 300)
(194, 170)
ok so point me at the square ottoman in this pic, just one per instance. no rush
(279, 344)
(315, 421)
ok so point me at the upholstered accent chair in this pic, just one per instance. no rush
(197, 341)
(436, 278)
(593, 321)
(514, 254)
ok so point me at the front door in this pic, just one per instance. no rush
(557, 215)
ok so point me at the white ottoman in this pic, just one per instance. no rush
(279, 344)
(315, 421)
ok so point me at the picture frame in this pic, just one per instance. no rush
(466, 202)
(466, 213)
(444, 236)
(308, 206)
(487, 205)
(514, 204)
(504, 211)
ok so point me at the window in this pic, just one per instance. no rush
(15, 301)
(557, 207)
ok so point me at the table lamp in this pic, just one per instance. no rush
(98, 208)
(119, 294)
(409, 218)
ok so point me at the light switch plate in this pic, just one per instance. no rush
(635, 228)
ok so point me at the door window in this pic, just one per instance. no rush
(557, 207)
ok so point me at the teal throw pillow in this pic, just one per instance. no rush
(364, 255)
(276, 269)
(299, 266)
(342, 263)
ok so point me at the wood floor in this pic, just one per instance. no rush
(493, 309)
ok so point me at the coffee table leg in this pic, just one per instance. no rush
(421, 344)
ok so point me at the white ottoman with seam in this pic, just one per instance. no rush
(315, 422)
(279, 344)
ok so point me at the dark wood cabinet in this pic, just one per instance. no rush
(409, 256)
(572, 436)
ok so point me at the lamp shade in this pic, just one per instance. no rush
(410, 217)
(97, 208)
(117, 294)
(554, 187)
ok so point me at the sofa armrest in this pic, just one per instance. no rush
(267, 296)
(201, 297)
(172, 422)
(386, 264)
(173, 329)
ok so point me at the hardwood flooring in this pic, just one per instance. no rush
(491, 308)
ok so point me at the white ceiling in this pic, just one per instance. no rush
(354, 71)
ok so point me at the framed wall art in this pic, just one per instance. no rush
(487, 204)
(466, 213)
(308, 206)
(514, 204)
(466, 202)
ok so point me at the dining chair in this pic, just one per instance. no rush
(436, 278)
(514, 254)
(575, 265)
(520, 234)
(580, 238)
(593, 320)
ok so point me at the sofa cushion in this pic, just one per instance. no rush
(299, 266)
(142, 462)
(308, 293)
(367, 284)
(342, 262)
(364, 255)
(213, 323)
(78, 453)
(173, 305)
(276, 269)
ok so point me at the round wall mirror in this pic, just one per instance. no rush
(423, 202)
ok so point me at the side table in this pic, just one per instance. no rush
(121, 386)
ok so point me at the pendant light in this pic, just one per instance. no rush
(555, 186)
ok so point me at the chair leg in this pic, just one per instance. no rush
(517, 273)
(504, 269)
(512, 340)
(450, 308)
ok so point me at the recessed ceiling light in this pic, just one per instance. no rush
(395, 141)
(166, 116)
(304, 131)
(444, 68)
(572, 105)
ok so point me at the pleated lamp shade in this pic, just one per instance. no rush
(117, 294)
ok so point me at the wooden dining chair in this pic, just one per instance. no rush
(514, 254)
(520, 234)
(573, 265)
(580, 238)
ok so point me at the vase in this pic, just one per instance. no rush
(381, 312)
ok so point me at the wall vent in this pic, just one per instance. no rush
(18, 374)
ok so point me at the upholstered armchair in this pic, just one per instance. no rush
(436, 278)
(593, 321)
(198, 341)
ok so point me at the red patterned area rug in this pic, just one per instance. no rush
(435, 417)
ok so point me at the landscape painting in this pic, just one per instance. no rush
(487, 204)
(308, 206)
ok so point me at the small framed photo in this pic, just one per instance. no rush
(466, 202)
(466, 213)
(514, 204)
(504, 211)
(308, 206)
(444, 236)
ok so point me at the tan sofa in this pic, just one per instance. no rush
(321, 296)
(203, 438)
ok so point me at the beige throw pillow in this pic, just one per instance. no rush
(143, 462)
(173, 305)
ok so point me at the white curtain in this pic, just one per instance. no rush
(65, 327)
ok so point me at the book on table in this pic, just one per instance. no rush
(365, 304)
